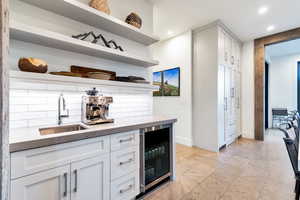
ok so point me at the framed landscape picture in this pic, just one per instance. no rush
(168, 82)
(171, 82)
(157, 81)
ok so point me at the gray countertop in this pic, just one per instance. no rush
(30, 138)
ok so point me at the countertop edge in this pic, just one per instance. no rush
(38, 143)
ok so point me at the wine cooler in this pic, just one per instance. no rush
(156, 156)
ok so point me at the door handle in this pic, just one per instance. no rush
(76, 183)
(232, 93)
(66, 184)
(225, 103)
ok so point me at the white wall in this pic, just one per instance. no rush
(283, 83)
(247, 90)
(177, 52)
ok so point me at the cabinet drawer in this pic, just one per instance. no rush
(125, 161)
(124, 140)
(31, 161)
(125, 188)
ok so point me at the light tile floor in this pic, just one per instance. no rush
(246, 170)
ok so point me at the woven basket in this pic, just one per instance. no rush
(101, 5)
(134, 20)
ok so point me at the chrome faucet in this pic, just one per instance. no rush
(62, 111)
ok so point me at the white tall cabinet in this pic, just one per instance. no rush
(216, 86)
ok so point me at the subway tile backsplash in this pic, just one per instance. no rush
(36, 104)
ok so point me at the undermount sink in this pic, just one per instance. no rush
(61, 129)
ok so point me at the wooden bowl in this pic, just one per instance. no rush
(32, 65)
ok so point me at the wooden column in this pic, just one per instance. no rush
(259, 89)
(259, 60)
(4, 95)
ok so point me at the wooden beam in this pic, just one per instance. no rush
(4, 95)
(259, 60)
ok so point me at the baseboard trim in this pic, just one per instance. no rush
(184, 141)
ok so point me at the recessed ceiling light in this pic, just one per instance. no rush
(263, 10)
(170, 32)
(270, 28)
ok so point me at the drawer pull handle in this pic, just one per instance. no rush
(126, 140)
(66, 184)
(125, 162)
(126, 190)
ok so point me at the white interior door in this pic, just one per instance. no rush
(90, 179)
(52, 184)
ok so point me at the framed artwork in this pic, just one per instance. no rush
(168, 81)
(157, 81)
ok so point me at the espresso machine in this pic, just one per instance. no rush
(95, 108)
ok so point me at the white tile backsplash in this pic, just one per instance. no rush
(36, 104)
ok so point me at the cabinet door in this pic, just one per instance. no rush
(238, 57)
(52, 184)
(229, 102)
(221, 47)
(228, 47)
(90, 179)
(238, 103)
(221, 105)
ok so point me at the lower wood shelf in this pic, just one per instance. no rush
(56, 79)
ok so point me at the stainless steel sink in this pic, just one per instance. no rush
(61, 129)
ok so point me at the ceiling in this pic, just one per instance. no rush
(172, 17)
(284, 48)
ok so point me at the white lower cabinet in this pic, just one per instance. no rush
(85, 170)
(90, 179)
(53, 184)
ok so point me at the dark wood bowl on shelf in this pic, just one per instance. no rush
(32, 65)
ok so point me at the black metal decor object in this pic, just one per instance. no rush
(109, 44)
(115, 46)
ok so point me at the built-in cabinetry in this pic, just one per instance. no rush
(230, 59)
(216, 86)
(100, 168)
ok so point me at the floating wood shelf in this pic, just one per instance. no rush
(59, 41)
(49, 78)
(83, 13)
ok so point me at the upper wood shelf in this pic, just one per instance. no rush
(83, 13)
(49, 78)
(59, 41)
